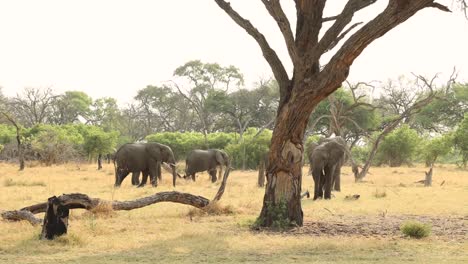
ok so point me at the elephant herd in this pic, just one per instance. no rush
(147, 158)
(325, 158)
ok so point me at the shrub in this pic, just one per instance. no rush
(399, 147)
(380, 194)
(246, 154)
(461, 140)
(279, 215)
(415, 229)
(436, 147)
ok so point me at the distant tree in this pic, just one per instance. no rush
(202, 81)
(69, 107)
(104, 113)
(347, 112)
(443, 112)
(5, 113)
(436, 147)
(461, 139)
(399, 102)
(33, 106)
(399, 147)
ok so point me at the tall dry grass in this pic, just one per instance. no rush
(168, 232)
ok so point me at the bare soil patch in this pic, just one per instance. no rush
(444, 228)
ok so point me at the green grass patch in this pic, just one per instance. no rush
(415, 229)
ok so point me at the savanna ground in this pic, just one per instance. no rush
(338, 231)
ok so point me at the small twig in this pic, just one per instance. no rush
(329, 211)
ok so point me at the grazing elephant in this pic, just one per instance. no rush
(143, 157)
(326, 160)
(206, 160)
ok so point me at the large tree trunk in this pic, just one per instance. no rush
(20, 151)
(284, 171)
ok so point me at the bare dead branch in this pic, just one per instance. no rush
(396, 13)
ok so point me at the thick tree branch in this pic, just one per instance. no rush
(395, 13)
(270, 55)
(275, 10)
(308, 25)
(332, 35)
(342, 35)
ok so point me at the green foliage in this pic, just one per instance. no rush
(54, 144)
(436, 147)
(246, 153)
(7, 134)
(399, 147)
(360, 154)
(461, 139)
(415, 229)
(97, 141)
(278, 213)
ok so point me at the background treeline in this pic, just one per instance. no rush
(207, 105)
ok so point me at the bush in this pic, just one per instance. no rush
(461, 140)
(436, 147)
(247, 153)
(7, 134)
(54, 144)
(279, 215)
(415, 229)
(398, 147)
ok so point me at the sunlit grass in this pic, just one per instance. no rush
(169, 232)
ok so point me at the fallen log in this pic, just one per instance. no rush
(83, 201)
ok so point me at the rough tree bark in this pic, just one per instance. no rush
(310, 83)
(261, 174)
(55, 219)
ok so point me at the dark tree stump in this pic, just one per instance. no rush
(428, 179)
(99, 161)
(55, 219)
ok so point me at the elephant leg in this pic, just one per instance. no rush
(144, 179)
(159, 172)
(329, 172)
(336, 179)
(135, 177)
(316, 176)
(154, 173)
(193, 176)
(213, 175)
(120, 176)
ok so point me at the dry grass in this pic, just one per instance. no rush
(165, 232)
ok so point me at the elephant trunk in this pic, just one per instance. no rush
(174, 173)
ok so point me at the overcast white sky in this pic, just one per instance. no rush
(115, 47)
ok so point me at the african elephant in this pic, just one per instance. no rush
(206, 160)
(325, 161)
(143, 157)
